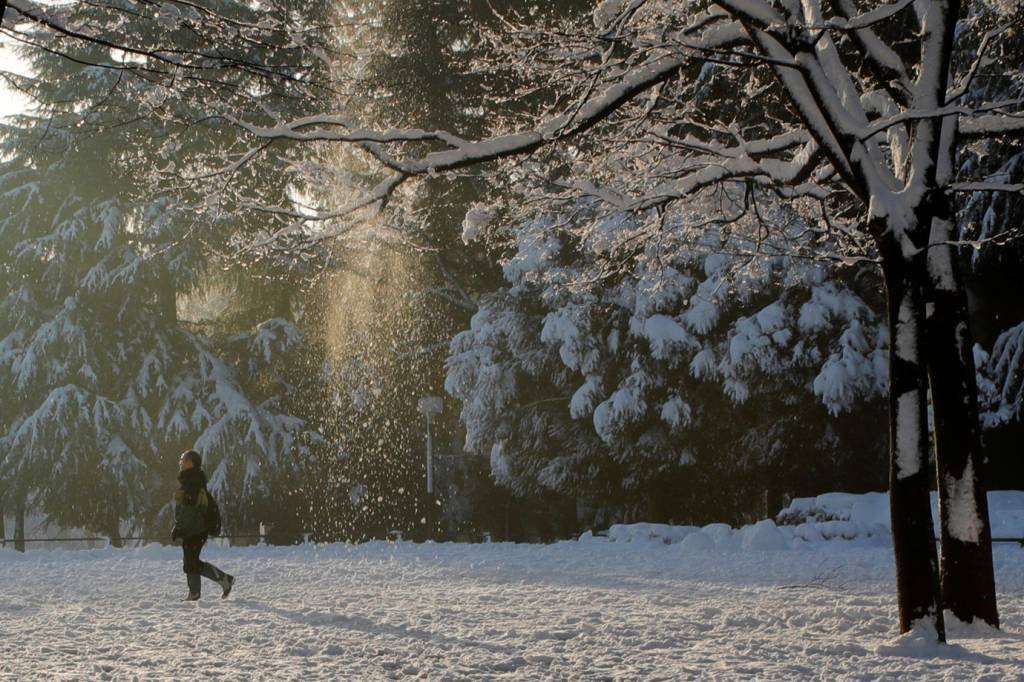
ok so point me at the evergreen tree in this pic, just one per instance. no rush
(108, 371)
(659, 382)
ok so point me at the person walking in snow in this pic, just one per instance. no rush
(192, 501)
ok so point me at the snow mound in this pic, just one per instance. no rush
(650, 532)
(698, 542)
(848, 516)
(762, 536)
(921, 643)
(811, 521)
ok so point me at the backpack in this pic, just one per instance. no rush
(212, 516)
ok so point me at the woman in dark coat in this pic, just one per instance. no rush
(190, 505)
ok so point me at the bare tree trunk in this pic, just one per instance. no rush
(114, 535)
(19, 525)
(967, 574)
(913, 535)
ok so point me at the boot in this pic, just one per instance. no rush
(195, 585)
(227, 582)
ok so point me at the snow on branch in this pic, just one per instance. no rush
(378, 195)
(883, 61)
(868, 19)
(971, 123)
(980, 57)
(288, 52)
(741, 163)
(322, 132)
(821, 89)
(993, 124)
(1011, 188)
(846, 120)
(461, 153)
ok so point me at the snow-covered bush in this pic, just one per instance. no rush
(809, 522)
(611, 371)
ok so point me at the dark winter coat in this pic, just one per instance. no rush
(190, 504)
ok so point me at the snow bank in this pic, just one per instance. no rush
(838, 516)
(650, 532)
(810, 521)
(867, 515)
(763, 535)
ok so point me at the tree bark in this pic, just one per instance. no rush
(19, 525)
(114, 535)
(967, 573)
(913, 535)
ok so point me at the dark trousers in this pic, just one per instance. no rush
(195, 567)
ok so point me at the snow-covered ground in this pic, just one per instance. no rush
(594, 609)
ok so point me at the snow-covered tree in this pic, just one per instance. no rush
(607, 371)
(843, 117)
(996, 217)
(113, 362)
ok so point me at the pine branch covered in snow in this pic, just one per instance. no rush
(1002, 378)
(640, 358)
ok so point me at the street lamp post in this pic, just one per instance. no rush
(430, 406)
